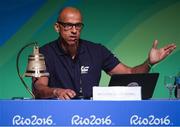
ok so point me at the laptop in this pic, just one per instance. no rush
(147, 81)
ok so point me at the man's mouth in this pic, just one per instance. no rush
(72, 38)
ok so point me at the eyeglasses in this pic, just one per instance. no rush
(68, 26)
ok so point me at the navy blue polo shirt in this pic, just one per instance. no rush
(81, 73)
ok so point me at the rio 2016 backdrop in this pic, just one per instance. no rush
(126, 27)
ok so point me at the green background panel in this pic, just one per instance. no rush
(127, 27)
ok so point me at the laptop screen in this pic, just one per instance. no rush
(147, 81)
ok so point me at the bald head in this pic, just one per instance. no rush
(68, 13)
(69, 25)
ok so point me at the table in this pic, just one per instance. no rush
(59, 113)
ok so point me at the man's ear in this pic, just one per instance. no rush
(56, 27)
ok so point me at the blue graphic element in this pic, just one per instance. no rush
(89, 113)
(14, 14)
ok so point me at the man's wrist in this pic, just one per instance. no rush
(150, 65)
(55, 92)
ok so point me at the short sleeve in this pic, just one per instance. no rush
(47, 56)
(109, 61)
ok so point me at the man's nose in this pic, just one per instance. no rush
(74, 30)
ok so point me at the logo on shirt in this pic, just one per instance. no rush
(84, 69)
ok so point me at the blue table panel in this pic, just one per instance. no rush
(70, 113)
